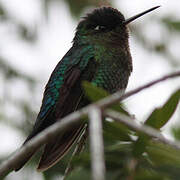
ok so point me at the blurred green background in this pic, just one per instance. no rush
(37, 33)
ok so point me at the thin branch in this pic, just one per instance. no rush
(116, 97)
(53, 130)
(141, 128)
(96, 144)
(39, 140)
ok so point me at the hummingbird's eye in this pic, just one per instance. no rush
(100, 28)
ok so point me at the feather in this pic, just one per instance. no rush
(55, 150)
(63, 95)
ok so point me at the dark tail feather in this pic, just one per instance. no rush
(53, 151)
(56, 149)
(35, 131)
(28, 157)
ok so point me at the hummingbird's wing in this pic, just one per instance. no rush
(63, 95)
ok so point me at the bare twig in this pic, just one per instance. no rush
(96, 142)
(141, 128)
(39, 140)
(53, 130)
(116, 97)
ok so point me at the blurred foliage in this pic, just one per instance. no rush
(157, 161)
(78, 6)
(160, 116)
(129, 155)
(157, 119)
(176, 132)
(162, 46)
(171, 24)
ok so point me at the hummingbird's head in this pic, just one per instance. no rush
(101, 24)
(104, 24)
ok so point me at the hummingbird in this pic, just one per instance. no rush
(99, 54)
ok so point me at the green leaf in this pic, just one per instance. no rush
(116, 131)
(164, 159)
(170, 172)
(160, 116)
(163, 154)
(79, 173)
(82, 159)
(140, 145)
(144, 174)
(95, 93)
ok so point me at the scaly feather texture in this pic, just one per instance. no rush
(100, 54)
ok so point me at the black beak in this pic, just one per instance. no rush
(127, 21)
